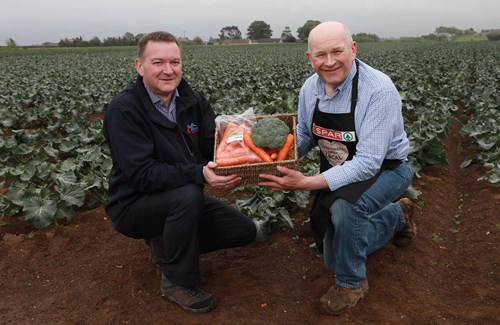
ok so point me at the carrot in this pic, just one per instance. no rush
(271, 151)
(230, 127)
(236, 152)
(231, 161)
(274, 155)
(223, 144)
(285, 149)
(247, 138)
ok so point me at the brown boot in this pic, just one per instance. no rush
(337, 299)
(404, 237)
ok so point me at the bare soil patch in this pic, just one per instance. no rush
(87, 273)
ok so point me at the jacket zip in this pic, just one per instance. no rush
(185, 143)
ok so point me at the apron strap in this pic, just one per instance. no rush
(354, 91)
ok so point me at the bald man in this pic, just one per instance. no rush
(353, 113)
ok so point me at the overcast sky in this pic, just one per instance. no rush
(36, 21)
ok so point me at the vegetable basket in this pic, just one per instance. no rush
(250, 172)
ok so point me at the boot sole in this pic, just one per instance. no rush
(327, 311)
(188, 309)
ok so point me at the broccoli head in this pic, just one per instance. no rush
(270, 132)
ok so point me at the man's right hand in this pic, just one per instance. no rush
(219, 182)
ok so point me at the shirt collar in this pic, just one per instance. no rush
(155, 99)
(348, 81)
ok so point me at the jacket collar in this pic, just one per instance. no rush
(185, 101)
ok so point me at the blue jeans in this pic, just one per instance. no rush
(359, 229)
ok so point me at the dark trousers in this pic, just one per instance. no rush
(191, 222)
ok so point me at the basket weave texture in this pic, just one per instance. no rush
(250, 172)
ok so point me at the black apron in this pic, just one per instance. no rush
(336, 136)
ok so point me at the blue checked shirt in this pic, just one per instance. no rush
(170, 111)
(378, 121)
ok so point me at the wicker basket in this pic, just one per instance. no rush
(250, 172)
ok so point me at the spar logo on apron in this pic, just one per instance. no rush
(331, 145)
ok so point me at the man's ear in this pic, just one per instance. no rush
(309, 57)
(138, 66)
(354, 48)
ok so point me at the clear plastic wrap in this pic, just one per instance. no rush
(232, 150)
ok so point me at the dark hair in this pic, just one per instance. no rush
(155, 37)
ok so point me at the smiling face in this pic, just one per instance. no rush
(160, 66)
(331, 53)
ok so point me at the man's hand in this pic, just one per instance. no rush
(292, 180)
(219, 182)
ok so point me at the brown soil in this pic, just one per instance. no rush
(87, 273)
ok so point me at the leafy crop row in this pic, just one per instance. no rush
(53, 156)
(482, 105)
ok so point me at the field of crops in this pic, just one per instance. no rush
(53, 157)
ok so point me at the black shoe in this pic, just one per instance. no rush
(157, 251)
(405, 236)
(191, 299)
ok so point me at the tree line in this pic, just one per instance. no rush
(259, 30)
(128, 39)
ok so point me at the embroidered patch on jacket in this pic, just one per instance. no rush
(346, 136)
(192, 128)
